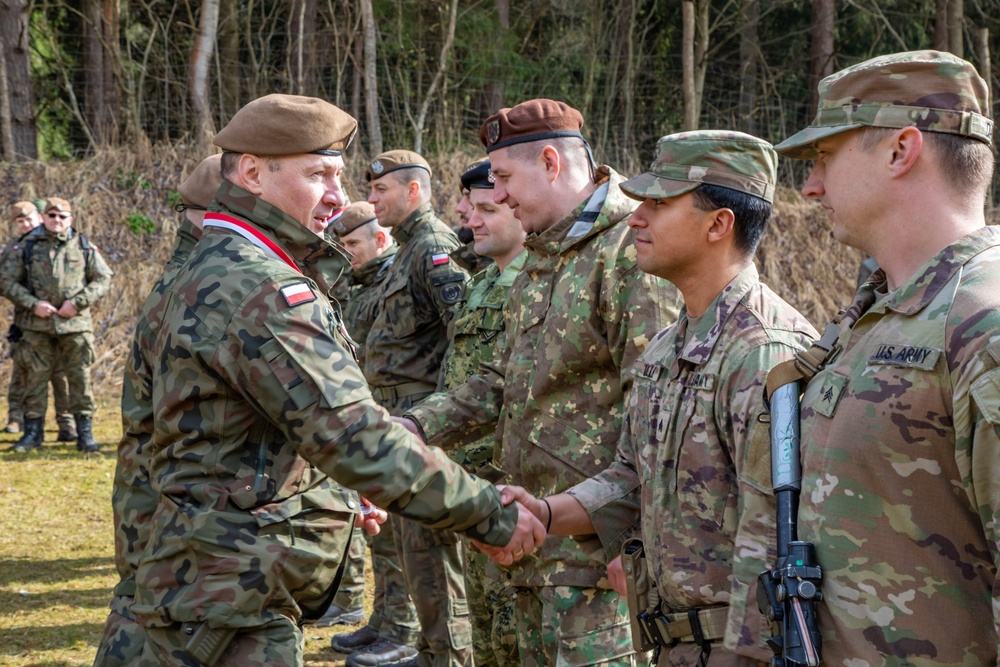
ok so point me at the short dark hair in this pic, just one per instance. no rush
(751, 213)
(230, 161)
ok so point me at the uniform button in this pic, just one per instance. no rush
(249, 488)
(350, 504)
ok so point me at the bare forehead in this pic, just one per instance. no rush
(311, 161)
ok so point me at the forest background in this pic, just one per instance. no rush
(111, 103)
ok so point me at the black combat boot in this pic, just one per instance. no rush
(85, 437)
(33, 435)
(67, 429)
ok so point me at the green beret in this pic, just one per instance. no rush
(533, 120)
(199, 188)
(356, 215)
(288, 125)
(930, 90)
(715, 157)
(393, 160)
(22, 209)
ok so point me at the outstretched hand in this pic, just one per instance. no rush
(371, 518)
(528, 536)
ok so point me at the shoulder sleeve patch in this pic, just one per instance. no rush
(298, 293)
(452, 292)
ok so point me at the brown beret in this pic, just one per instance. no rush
(393, 160)
(288, 125)
(533, 120)
(356, 215)
(21, 209)
(57, 204)
(200, 186)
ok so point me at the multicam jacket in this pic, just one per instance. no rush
(473, 336)
(57, 268)
(694, 448)
(363, 296)
(578, 315)
(421, 293)
(257, 399)
(901, 467)
(133, 500)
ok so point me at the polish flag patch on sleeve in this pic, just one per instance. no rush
(297, 293)
(440, 259)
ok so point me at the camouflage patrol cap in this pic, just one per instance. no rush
(57, 204)
(534, 120)
(393, 160)
(354, 216)
(288, 125)
(715, 157)
(21, 209)
(930, 90)
(199, 188)
(478, 177)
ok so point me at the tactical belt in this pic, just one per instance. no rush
(396, 392)
(700, 626)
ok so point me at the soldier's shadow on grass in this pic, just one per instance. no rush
(28, 571)
(16, 641)
(52, 450)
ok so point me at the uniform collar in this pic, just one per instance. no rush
(697, 346)
(406, 229)
(367, 272)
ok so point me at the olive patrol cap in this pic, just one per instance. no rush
(354, 216)
(478, 177)
(57, 204)
(199, 188)
(715, 157)
(21, 209)
(392, 161)
(288, 125)
(534, 120)
(929, 90)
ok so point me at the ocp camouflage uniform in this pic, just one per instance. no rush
(133, 500)
(901, 466)
(693, 408)
(256, 400)
(57, 268)
(420, 295)
(474, 334)
(392, 605)
(579, 313)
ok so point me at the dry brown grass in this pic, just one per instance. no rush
(56, 568)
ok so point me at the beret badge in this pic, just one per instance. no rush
(493, 131)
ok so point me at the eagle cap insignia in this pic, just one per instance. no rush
(377, 167)
(493, 131)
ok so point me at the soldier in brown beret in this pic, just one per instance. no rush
(578, 316)
(900, 428)
(423, 289)
(264, 422)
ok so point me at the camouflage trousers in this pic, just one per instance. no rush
(279, 643)
(60, 393)
(37, 354)
(351, 593)
(566, 625)
(491, 612)
(393, 615)
(434, 571)
(123, 639)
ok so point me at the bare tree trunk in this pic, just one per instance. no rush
(201, 56)
(494, 90)
(23, 140)
(701, 55)
(821, 62)
(941, 25)
(749, 66)
(302, 46)
(628, 77)
(357, 84)
(449, 39)
(228, 58)
(371, 78)
(6, 128)
(100, 64)
(687, 66)
(956, 22)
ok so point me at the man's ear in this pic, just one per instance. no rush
(248, 172)
(551, 161)
(906, 147)
(721, 224)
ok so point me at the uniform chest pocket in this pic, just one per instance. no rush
(647, 411)
(400, 310)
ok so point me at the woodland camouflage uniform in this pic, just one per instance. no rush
(579, 313)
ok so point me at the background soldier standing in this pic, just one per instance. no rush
(54, 274)
(420, 295)
(901, 428)
(579, 314)
(133, 499)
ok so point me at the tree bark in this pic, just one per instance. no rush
(201, 56)
(956, 22)
(494, 91)
(302, 46)
(821, 61)
(687, 66)
(425, 105)
(371, 78)
(941, 25)
(749, 66)
(228, 45)
(701, 55)
(14, 43)
(101, 64)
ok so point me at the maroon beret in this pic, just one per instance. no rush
(534, 120)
